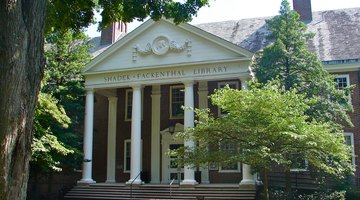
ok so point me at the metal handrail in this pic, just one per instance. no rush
(132, 184)
(172, 181)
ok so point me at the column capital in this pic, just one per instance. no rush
(136, 87)
(89, 90)
(188, 82)
(112, 98)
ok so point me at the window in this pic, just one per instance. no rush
(349, 140)
(342, 81)
(232, 85)
(230, 148)
(127, 155)
(176, 101)
(128, 104)
(298, 163)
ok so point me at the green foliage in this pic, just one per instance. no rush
(314, 195)
(60, 110)
(289, 60)
(269, 125)
(75, 15)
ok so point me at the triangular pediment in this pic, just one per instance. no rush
(163, 44)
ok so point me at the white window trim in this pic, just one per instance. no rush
(301, 169)
(352, 145)
(170, 97)
(230, 170)
(223, 84)
(126, 104)
(129, 141)
(347, 76)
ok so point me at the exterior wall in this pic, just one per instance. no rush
(355, 118)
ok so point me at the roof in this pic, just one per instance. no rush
(337, 33)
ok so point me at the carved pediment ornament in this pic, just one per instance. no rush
(161, 45)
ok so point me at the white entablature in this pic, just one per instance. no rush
(162, 52)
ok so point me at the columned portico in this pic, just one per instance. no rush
(135, 166)
(88, 138)
(189, 176)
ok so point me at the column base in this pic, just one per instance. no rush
(247, 183)
(134, 182)
(85, 182)
(188, 183)
(110, 181)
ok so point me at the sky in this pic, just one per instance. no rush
(222, 10)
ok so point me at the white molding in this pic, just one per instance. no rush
(184, 26)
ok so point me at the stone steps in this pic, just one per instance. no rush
(114, 191)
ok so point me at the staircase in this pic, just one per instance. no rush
(154, 192)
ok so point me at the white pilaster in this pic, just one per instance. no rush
(111, 150)
(88, 138)
(135, 162)
(203, 104)
(155, 134)
(248, 178)
(189, 176)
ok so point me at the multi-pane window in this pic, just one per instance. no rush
(128, 108)
(128, 104)
(342, 81)
(127, 155)
(229, 148)
(232, 85)
(176, 101)
(298, 163)
(349, 140)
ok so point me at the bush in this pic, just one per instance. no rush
(276, 194)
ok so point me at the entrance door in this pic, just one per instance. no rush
(175, 171)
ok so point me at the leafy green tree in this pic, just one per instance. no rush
(22, 62)
(289, 60)
(268, 125)
(61, 103)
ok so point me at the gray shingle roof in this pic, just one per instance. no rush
(337, 33)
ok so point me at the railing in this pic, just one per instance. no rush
(132, 184)
(172, 181)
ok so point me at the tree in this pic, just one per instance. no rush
(22, 65)
(267, 124)
(289, 60)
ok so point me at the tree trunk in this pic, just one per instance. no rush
(266, 184)
(21, 70)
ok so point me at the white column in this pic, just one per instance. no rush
(111, 150)
(203, 104)
(155, 134)
(88, 138)
(189, 176)
(248, 178)
(135, 163)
